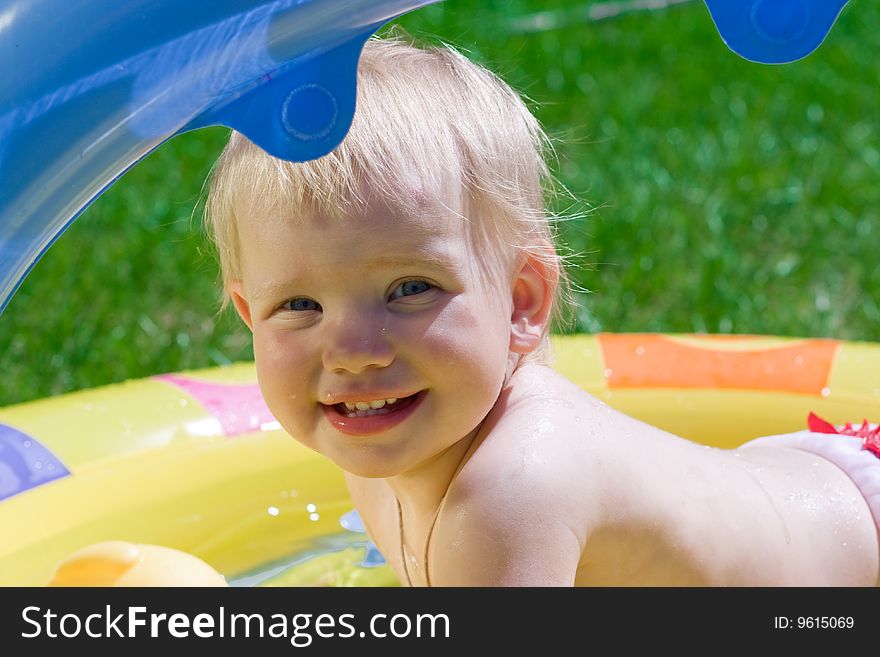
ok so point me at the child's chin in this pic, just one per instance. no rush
(367, 472)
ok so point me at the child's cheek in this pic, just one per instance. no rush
(478, 321)
(283, 378)
(467, 337)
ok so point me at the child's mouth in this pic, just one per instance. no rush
(365, 418)
(368, 409)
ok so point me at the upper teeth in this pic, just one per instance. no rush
(366, 405)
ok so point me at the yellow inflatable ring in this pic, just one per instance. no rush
(195, 461)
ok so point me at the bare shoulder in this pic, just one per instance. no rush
(560, 475)
(517, 532)
(518, 512)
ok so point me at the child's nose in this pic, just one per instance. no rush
(354, 346)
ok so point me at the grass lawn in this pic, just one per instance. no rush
(709, 194)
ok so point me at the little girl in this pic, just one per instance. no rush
(399, 291)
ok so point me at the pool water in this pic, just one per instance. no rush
(347, 558)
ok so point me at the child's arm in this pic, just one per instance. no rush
(487, 539)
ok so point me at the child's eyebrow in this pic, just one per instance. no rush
(271, 290)
(431, 259)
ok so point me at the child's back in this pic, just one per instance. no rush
(561, 489)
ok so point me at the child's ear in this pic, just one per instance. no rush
(236, 293)
(533, 290)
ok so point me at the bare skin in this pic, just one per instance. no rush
(553, 471)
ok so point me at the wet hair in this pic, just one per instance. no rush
(423, 114)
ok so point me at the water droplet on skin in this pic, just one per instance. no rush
(273, 511)
(314, 517)
(826, 392)
(311, 508)
(38, 465)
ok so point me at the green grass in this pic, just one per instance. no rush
(728, 196)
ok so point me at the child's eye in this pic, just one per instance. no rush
(410, 288)
(302, 304)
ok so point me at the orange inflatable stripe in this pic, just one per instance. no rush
(653, 361)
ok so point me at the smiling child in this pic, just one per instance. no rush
(399, 291)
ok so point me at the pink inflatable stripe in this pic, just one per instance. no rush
(239, 408)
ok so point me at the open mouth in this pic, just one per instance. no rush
(380, 407)
(369, 418)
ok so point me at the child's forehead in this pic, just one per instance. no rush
(422, 222)
(403, 223)
(409, 200)
(414, 190)
(406, 200)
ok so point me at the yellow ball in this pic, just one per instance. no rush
(118, 563)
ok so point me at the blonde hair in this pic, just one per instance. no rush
(423, 115)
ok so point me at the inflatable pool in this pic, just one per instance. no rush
(196, 462)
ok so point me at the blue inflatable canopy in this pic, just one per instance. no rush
(90, 87)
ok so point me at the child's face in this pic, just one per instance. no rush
(369, 308)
